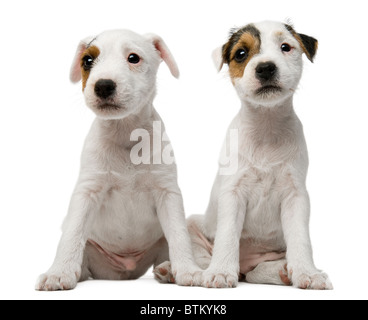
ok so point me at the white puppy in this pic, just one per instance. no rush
(257, 222)
(123, 217)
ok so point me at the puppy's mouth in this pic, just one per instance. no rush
(268, 90)
(109, 107)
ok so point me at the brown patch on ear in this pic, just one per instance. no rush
(308, 44)
(93, 52)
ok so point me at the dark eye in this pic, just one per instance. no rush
(134, 58)
(87, 63)
(241, 55)
(285, 47)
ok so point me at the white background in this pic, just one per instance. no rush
(43, 124)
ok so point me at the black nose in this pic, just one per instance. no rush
(266, 71)
(105, 88)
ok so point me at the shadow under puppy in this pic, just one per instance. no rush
(257, 222)
(123, 217)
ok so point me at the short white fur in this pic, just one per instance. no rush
(264, 207)
(122, 207)
(266, 201)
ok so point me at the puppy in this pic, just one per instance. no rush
(124, 216)
(257, 222)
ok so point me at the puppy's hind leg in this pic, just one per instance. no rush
(202, 246)
(162, 267)
(163, 273)
(271, 272)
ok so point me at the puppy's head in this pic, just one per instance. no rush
(118, 71)
(265, 61)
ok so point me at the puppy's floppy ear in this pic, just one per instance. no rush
(308, 44)
(76, 71)
(222, 54)
(217, 57)
(165, 53)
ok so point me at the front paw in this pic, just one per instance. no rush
(184, 276)
(218, 279)
(55, 280)
(189, 277)
(311, 280)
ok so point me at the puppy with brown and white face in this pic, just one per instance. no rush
(257, 222)
(265, 65)
(124, 216)
(262, 211)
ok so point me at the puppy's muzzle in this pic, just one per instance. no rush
(105, 88)
(266, 71)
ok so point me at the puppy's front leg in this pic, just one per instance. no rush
(66, 269)
(223, 271)
(295, 214)
(170, 211)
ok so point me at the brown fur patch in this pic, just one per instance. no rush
(248, 42)
(308, 44)
(93, 52)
